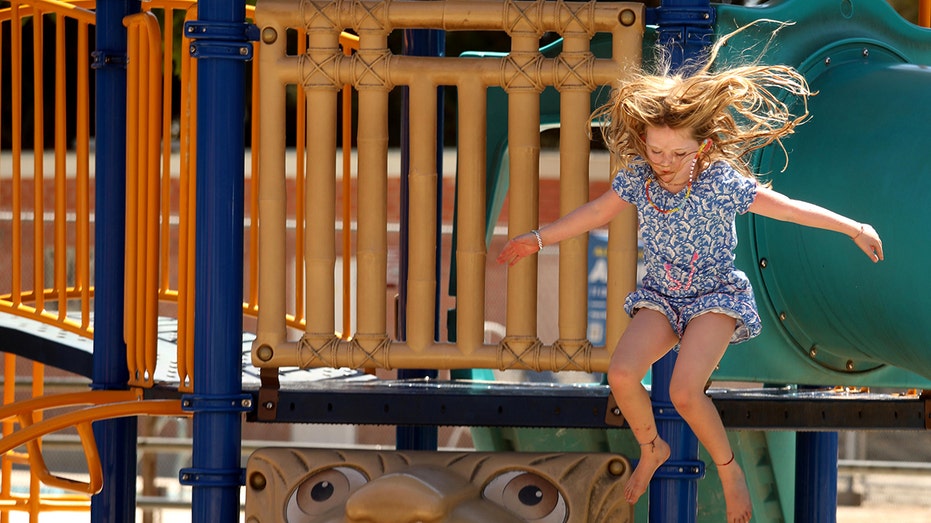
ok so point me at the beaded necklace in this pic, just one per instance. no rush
(688, 186)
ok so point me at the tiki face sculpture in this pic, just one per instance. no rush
(330, 486)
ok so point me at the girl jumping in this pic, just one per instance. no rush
(682, 144)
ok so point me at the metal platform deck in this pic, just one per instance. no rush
(347, 396)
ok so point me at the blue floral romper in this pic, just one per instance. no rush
(689, 253)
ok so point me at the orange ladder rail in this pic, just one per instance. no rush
(105, 404)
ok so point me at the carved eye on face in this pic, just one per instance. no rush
(529, 496)
(322, 492)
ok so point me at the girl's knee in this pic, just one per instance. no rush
(684, 398)
(621, 377)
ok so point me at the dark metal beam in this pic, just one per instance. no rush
(473, 403)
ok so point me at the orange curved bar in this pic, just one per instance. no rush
(924, 13)
(106, 405)
(80, 11)
(94, 468)
(46, 317)
(25, 412)
(91, 414)
(71, 399)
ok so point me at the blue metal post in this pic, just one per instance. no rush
(221, 46)
(816, 477)
(116, 439)
(674, 488)
(684, 29)
(419, 42)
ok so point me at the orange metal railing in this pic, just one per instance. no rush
(46, 215)
(50, 210)
(49, 207)
(45, 204)
(144, 97)
(180, 247)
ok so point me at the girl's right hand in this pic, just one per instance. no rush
(517, 248)
(868, 241)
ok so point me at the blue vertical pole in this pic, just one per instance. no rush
(816, 477)
(685, 30)
(116, 439)
(419, 42)
(221, 46)
(674, 488)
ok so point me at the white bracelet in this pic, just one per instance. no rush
(539, 239)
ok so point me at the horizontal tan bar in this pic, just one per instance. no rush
(335, 69)
(456, 15)
(381, 352)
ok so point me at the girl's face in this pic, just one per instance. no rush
(670, 151)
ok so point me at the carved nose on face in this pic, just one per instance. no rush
(423, 495)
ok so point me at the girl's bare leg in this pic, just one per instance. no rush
(647, 338)
(705, 340)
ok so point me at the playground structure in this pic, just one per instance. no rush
(833, 336)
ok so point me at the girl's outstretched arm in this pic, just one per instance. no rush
(585, 218)
(774, 205)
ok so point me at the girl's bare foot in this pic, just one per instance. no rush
(652, 455)
(736, 494)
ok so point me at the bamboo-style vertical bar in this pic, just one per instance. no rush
(471, 252)
(372, 239)
(627, 52)
(574, 149)
(271, 328)
(421, 282)
(524, 194)
(252, 285)
(320, 192)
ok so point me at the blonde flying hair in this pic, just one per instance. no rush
(739, 109)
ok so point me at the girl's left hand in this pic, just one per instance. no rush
(868, 241)
(517, 248)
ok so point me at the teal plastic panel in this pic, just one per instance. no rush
(830, 315)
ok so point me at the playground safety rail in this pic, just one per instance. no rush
(47, 211)
(374, 71)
